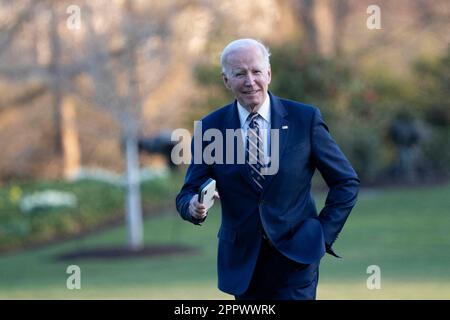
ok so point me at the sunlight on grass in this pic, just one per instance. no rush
(404, 232)
(208, 291)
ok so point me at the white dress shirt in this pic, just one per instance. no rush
(263, 121)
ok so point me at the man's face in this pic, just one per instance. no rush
(248, 77)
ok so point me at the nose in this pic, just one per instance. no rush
(249, 80)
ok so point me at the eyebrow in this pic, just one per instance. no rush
(244, 69)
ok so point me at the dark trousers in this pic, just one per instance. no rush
(279, 278)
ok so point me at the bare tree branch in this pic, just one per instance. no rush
(23, 99)
(8, 32)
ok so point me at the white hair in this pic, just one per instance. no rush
(243, 43)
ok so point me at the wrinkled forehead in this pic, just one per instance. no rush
(245, 57)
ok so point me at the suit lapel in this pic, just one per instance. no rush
(279, 122)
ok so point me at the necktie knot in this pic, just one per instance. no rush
(252, 117)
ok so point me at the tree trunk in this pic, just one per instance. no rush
(323, 20)
(70, 144)
(341, 11)
(55, 49)
(133, 202)
(134, 208)
(305, 14)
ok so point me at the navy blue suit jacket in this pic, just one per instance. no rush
(285, 208)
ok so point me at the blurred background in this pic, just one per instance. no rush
(90, 92)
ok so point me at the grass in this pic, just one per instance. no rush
(404, 232)
(97, 203)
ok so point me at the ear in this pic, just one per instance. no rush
(225, 81)
(269, 75)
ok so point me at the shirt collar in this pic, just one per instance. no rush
(264, 111)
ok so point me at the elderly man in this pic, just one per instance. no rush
(271, 238)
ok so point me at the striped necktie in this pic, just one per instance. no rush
(254, 155)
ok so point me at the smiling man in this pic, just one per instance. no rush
(271, 239)
(246, 72)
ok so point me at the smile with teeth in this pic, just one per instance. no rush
(251, 92)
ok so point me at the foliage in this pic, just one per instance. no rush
(364, 147)
(432, 98)
(98, 203)
(209, 77)
(310, 78)
(436, 153)
(433, 88)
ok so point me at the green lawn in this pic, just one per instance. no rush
(404, 232)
